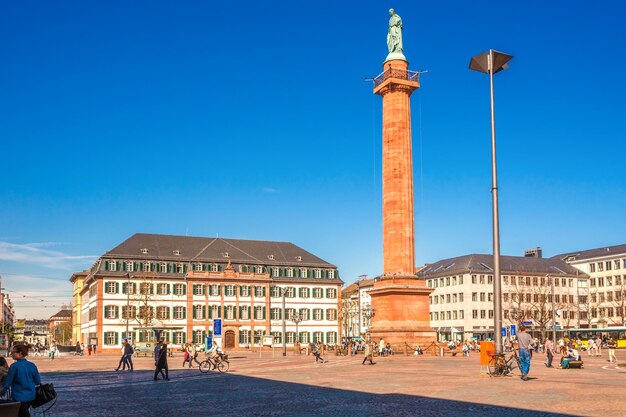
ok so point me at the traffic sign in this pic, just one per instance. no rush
(217, 327)
(504, 332)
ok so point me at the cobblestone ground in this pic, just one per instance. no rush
(296, 386)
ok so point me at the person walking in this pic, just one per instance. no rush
(524, 342)
(611, 345)
(368, 354)
(128, 355)
(591, 347)
(22, 378)
(549, 353)
(122, 362)
(317, 352)
(186, 355)
(193, 355)
(598, 341)
(161, 363)
(53, 350)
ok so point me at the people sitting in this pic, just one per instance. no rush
(418, 350)
(572, 355)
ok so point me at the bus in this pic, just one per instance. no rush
(617, 333)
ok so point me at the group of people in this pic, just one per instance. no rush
(19, 381)
(126, 360)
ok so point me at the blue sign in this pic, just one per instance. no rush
(528, 323)
(217, 327)
(208, 343)
(504, 332)
(513, 330)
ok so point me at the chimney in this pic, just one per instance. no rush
(533, 253)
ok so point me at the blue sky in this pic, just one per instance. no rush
(253, 120)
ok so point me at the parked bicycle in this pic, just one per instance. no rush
(501, 365)
(219, 362)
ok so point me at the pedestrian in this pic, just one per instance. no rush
(598, 346)
(549, 353)
(611, 345)
(368, 354)
(128, 355)
(88, 350)
(161, 363)
(524, 343)
(78, 350)
(22, 378)
(122, 362)
(193, 355)
(53, 350)
(317, 352)
(4, 369)
(591, 347)
(186, 355)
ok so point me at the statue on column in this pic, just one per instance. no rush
(394, 36)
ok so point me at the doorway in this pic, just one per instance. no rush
(229, 339)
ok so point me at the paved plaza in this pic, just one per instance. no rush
(296, 386)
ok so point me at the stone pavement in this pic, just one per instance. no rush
(296, 386)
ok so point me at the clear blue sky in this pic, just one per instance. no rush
(253, 120)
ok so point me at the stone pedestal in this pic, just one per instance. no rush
(402, 312)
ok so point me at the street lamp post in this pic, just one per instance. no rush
(553, 308)
(282, 292)
(297, 318)
(127, 301)
(490, 63)
(368, 312)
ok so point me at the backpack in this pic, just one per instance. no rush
(130, 350)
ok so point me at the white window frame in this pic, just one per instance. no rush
(245, 311)
(180, 269)
(318, 273)
(229, 312)
(258, 269)
(179, 289)
(331, 274)
(179, 313)
(163, 268)
(129, 266)
(109, 338)
(229, 290)
(112, 266)
(198, 312)
(109, 285)
(146, 266)
(198, 268)
(318, 314)
(289, 272)
(258, 313)
(161, 286)
(160, 310)
(304, 272)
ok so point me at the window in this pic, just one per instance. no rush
(110, 338)
(505, 279)
(318, 337)
(461, 297)
(482, 296)
(331, 314)
(290, 272)
(474, 279)
(482, 279)
(289, 313)
(331, 274)
(448, 316)
(290, 337)
(112, 265)
(146, 313)
(215, 268)
(304, 292)
(198, 337)
(317, 292)
(318, 273)
(601, 282)
(259, 312)
(198, 267)
(608, 265)
(535, 281)
(277, 337)
(474, 314)
(229, 312)
(600, 266)
(490, 314)
(447, 298)
(304, 337)
(303, 273)
(244, 313)
(111, 287)
(145, 288)
(461, 314)
(163, 268)
(290, 292)
(110, 312)
(275, 313)
(129, 267)
(258, 269)
(180, 268)
(180, 313)
(180, 289)
(146, 267)
(214, 289)
(304, 312)
(259, 291)
(229, 290)
(163, 313)
(453, 280)
(93, 291)
(215, 312)
(455, 298)
(129, 312)
(447, 281)
(474, 296)
(616, 264)
(331, 293)
(592, 267)
(454, 316)
(163, 289)
(275, 292)
(609, 281)
(198, 312)
(244, 291)
(483, 314)
(490, 296)
(318, 314)
(179, 338)
(275, 272)
(331, 337)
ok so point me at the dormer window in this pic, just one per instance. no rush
(177, 252)
(226, 255)
(270, 257)
(144, 251)
(298, 258)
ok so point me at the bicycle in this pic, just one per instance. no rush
(500, 365)
(220, 363)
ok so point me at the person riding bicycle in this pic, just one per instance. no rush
(215, 354)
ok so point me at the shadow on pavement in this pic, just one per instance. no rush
(194, 394)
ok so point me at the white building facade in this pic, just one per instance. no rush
(355, 299)
(461, 305)
(179, 285)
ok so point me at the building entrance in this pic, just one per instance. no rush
(229, 339)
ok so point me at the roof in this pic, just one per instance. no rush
(352, 288)
(593, 253)
(62, 313)
(215, 250)
(480, 263)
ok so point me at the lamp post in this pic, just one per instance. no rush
(282, 292)
(297, 318)
(490, 63)
(127, 301)
(551, 280)
(368, 312)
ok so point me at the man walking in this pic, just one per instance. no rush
(524, 342)
(368, 354)
(128, 355)
(611, 345)
(549, 353)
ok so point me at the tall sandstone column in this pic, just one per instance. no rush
(399, 298)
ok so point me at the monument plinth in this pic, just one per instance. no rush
(399, 298)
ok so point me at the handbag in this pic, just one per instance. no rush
(44, 393)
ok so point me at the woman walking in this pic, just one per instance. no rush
(22, 378)
(161, 363)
